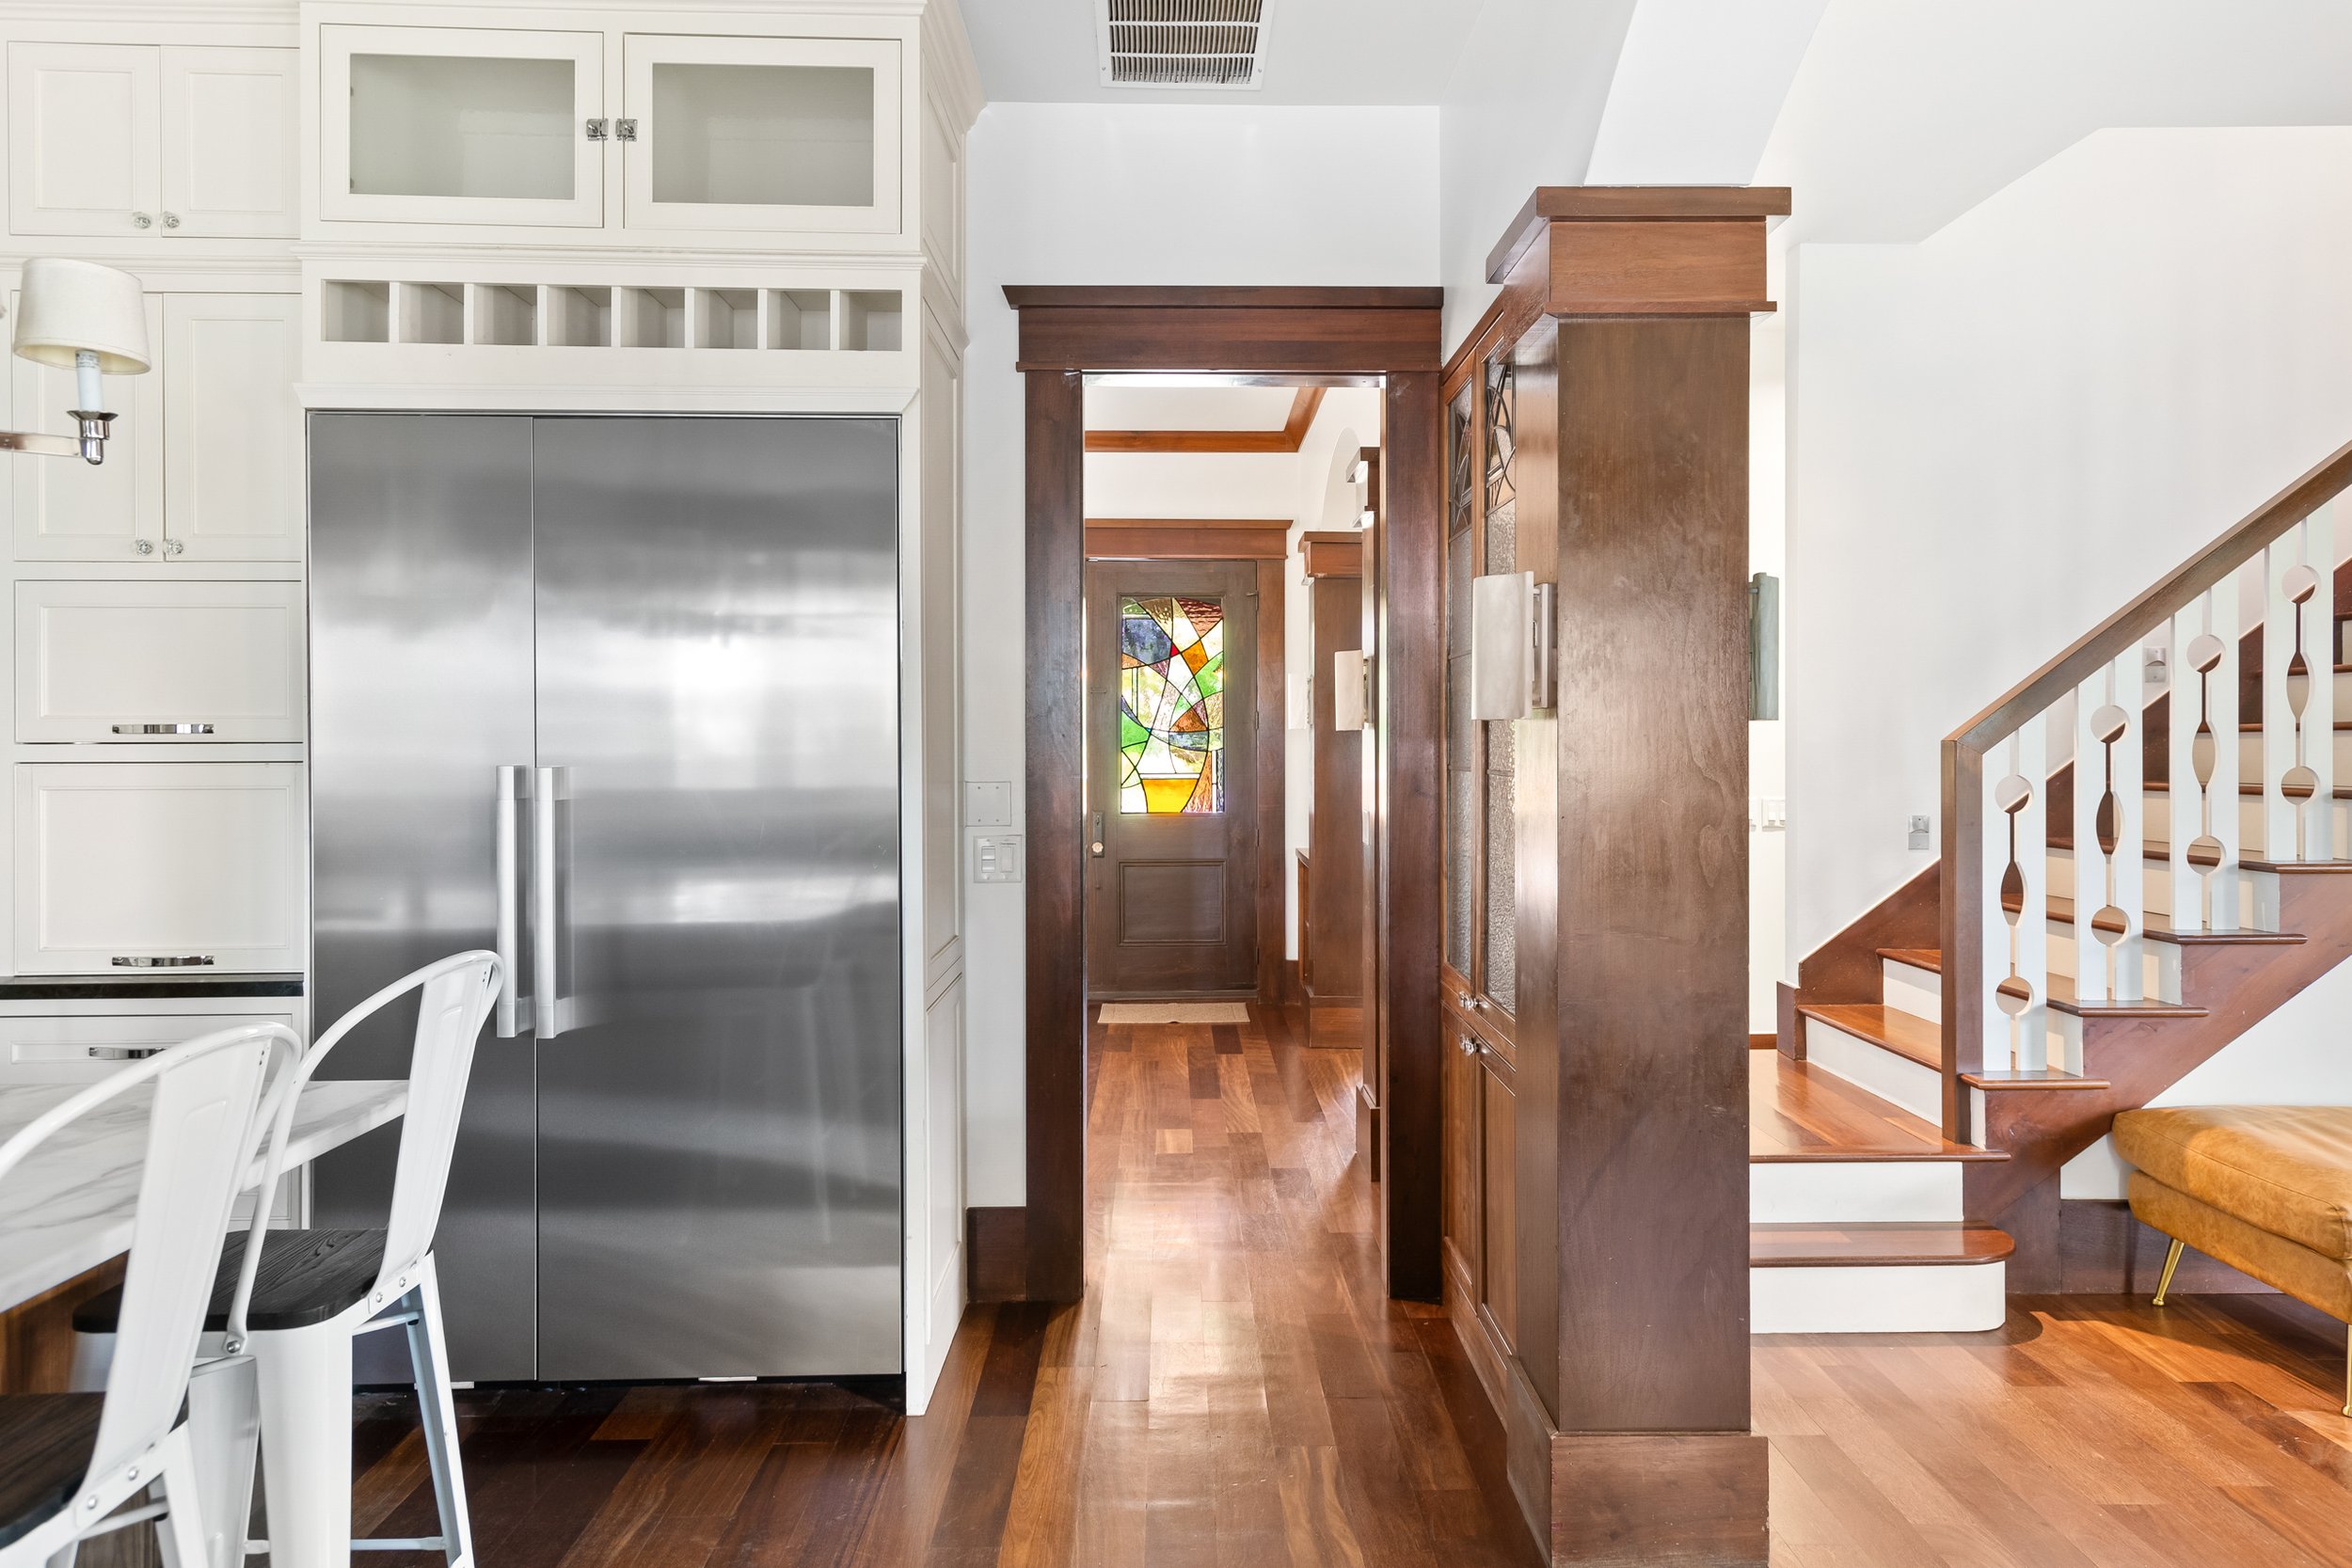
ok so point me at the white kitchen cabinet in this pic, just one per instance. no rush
(781, 134)
(123, 867)
(82, 1047)
(66, 510)
(159, 661)
(473, 125)
(231, 120)
(119, 140)
(232, 430)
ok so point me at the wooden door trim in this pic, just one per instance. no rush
(1342, 333)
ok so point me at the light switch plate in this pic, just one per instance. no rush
(996, 858)
(987, 805)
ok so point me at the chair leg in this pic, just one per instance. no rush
(2171, 1262)
(180, 1531)
(436, 1405)
(306, 1444)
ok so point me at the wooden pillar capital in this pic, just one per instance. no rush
(1618, 250)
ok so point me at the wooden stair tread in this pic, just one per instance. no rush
(2164, 787)
(1906, 1034)
(2062, 997)
(2253, 726)
(2046, 1078)
(2158, 928)
(1928, 958)
(1796, 1114)
(1950, 1242)
(2298, 868)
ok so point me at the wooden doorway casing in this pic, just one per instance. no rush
(1390, 335)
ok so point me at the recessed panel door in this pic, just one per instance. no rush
(1172, 776)
(82, 138)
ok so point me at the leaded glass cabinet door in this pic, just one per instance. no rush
(1171, 778)
(1498, 979)
(1462, 765)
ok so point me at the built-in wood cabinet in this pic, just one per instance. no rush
(82, 1047)
(205, 459)
(159, 662)
(118, 868)
(129, 140)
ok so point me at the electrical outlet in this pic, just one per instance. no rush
(1919, 831)
(996, 858)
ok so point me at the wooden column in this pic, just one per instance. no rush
(1630, 348)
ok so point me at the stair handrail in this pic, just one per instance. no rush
(1962, 914)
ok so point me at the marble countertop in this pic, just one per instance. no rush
(67, 1207)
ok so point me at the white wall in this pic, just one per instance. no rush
(1129, 193)
(2004, 432)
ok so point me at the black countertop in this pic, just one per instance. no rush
(144, 987)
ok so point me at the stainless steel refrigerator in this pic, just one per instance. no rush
(618, 697)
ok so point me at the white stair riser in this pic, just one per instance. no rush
(1853, 1191)
(1939, 1298)
(1916, 1089)
(2155, 881)
(1911, 989)
(2249, 821)
(2156, 972)
(2249, 753)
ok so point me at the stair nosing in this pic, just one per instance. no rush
(1819, 1013)
(2007, 1246)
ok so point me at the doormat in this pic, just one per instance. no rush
(1175, 1012)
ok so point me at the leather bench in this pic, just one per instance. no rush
(2266, 1189)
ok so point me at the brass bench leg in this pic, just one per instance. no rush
(2347, 1372)
(2171, 1262)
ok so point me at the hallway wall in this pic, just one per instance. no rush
(1111, 194)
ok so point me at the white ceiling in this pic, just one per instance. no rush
(1316, 52)
(1134, 407)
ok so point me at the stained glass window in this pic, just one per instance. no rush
(1171, 706)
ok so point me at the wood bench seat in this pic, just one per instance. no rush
(2266, 1189)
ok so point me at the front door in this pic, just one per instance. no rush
(1172, 776)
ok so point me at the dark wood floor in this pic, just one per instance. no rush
(1234, 1392)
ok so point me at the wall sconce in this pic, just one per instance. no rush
(91, 318)
(1349, 678)
(1764, 646)
(1514, 666)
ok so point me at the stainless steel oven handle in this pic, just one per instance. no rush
(515, 997)
(553, 786)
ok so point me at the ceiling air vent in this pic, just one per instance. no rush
(1182, 43)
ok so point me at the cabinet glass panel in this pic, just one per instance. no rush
(446, 125)
(1502, 739)
(768, 135)
(1461, 778)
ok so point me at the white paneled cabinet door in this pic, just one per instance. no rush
(233, 442)
(124, 868)
(66, 510)
(82, 138)
(159, 661)
(231, 120)
(82, 1047)
(460, 125)
(795, 134)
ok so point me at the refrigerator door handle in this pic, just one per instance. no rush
(547, 914)
(516, 996)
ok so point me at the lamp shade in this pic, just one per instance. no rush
(65, 306)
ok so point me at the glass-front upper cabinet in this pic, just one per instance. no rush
(776, 134)
(462, 125)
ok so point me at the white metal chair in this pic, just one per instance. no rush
(296, 1300)
(68, 1462)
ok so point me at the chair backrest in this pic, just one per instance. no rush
(458, 992)
(203, 1133)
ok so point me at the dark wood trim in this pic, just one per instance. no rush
(1846, 968)
(1187, 538)
(1648, 204)
(1055, 735)
(1343, 334)
(2103, 1251)
(1272, 772)
(1288, 440)
(997, 1253)
(1150, 297)
(1331, 554)
(37, 1335)
(1763, 1042)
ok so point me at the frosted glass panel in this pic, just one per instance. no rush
(763, 135)
(443, 125)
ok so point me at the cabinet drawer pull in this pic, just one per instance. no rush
(162, 729)
(194, 960)
(122, 1053)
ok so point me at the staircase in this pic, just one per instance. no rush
(2121, 894)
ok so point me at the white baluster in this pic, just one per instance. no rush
(2223, 687)
(2200, 845)
(2319, 646)
(2291, 802)
(2101, 922)
(2126, 703)
(2016, 901)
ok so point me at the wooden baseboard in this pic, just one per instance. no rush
(997, 1253)
(2102, 1251)
(1763, 1042)
(1791, 1038)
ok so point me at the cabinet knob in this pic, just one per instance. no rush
(600, 129)
(171, 220)
(1469, 1046)
(142, 220)
(173, 546)
(626, 129)
(145, 546)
